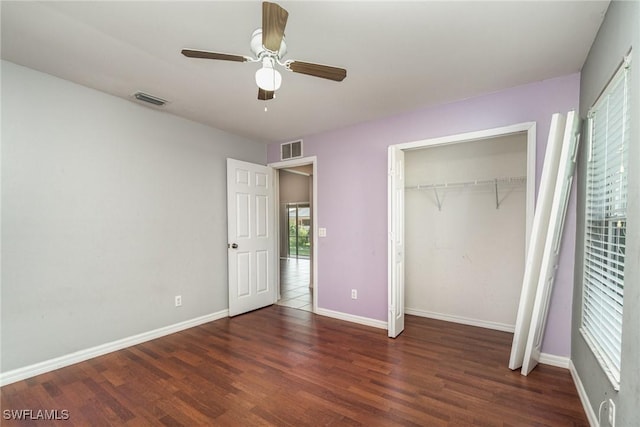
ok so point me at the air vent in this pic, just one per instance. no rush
(144, 97)
(291, 150)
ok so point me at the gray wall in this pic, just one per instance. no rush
(109, 210)
(618, 33)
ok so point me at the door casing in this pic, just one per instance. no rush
(303, 161)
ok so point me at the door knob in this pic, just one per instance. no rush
(233, 246)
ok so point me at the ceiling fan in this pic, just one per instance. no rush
(269, 47)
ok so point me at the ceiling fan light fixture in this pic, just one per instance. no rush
(269, 47)
(267, 77)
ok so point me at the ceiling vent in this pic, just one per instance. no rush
(291, 150)
(145, 97)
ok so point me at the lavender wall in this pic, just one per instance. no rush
(352, 194)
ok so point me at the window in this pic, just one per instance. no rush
(606, 222)
(299, 230)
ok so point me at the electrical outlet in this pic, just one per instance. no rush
(354, 294)
(178, 300)
(322, 232)
(612, 413)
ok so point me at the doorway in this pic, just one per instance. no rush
(396, 206)
(296, 200)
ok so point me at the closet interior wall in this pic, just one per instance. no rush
(465, 243)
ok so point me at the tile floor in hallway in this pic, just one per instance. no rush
(294, 284)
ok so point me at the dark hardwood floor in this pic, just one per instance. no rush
(281, 366)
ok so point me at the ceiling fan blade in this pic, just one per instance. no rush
(317, 70)
(212, 55)
(274, 19)
(265, 95)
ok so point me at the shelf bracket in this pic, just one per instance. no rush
(435, 191)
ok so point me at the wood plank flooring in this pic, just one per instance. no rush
(286, 367)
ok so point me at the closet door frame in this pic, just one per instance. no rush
(395, 228)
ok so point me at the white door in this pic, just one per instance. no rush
(396, 242)
(549, 264)
(252, 242)
(536, 242)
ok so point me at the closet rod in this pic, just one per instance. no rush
(506, 180)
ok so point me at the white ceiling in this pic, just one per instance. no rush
(399, 55)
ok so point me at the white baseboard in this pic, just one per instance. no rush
(591, 414)
(352, 318)
(86, 354)
(553, 360)
(463, 320)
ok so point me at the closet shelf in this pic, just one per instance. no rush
(516, 180)
(496, 182)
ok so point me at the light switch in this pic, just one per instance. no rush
(322, 232)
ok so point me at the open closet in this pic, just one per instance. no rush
(465, 230)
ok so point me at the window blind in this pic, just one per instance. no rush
(606, 222)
